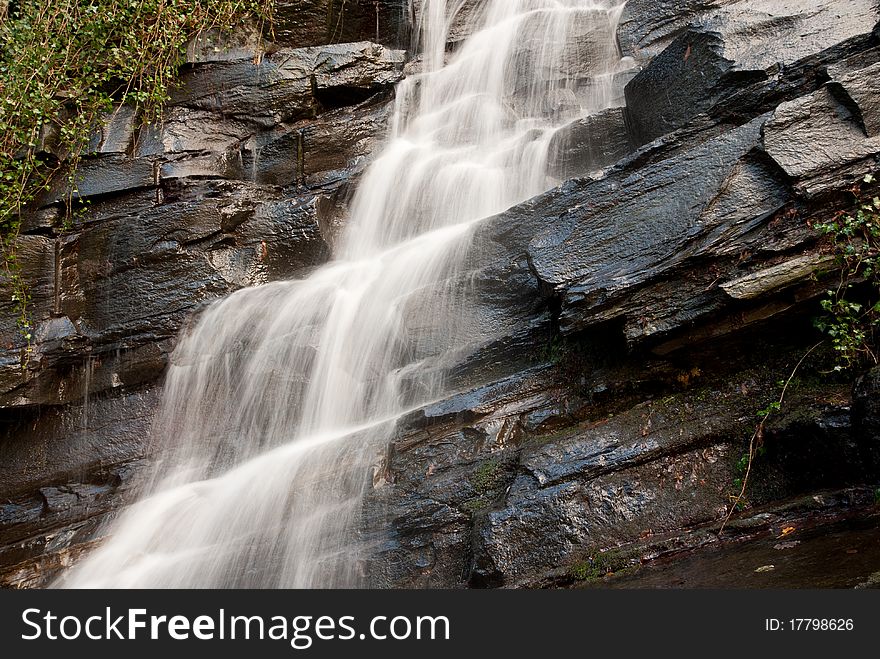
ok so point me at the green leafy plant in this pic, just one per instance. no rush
(66, 64)
(852, 324)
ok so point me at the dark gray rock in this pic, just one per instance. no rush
(290, 84)
(762, 31)
(215, 45)
(428, 544)
(448, 464)
(821, 140)
(110, 289)
(867, 401)
(680, 83)
(117, 133)
(866, 416)
(622, 477)
(601, 238)
(863, 90)
(742, 56)
(190, 131)
(473, 492)
(43, 531)
(319, 153)
(545, 528)
(62, 444)
(301, 23)
(761, 35)
(102, 175)
(589, 144)
(648, 26)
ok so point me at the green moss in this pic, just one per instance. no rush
(487, 476)
(599, 564)
(477, 505)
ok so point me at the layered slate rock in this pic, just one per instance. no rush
(648, 26)
(829, 135)
(697, 244)
(224, 193)
(746, 55)
(589, 144)
(232, 189)
(302, 23)
(615, 249)
(592, 244)
(514, 482)
(290, 84)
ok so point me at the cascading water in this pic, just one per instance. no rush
(278, 398)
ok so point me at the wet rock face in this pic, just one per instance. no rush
(301, 23)
(714, 194)
(774, 46)
(513, 483)
(763, 31)
(696, 234)
(815, 136)
(629, 325)
(224, 194)
(232, 189)
(288, 85)
(589, 144)
(466, 13)
(866, 414)
(64, 470)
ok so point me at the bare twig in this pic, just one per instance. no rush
(758, 435)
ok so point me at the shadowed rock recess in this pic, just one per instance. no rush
(641, 313)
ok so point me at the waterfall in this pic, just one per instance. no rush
(279, 397)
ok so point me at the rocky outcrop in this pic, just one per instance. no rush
(514, 483)
(641, 283)
(589, 144)
(744, 58)
(302, 23)
(225, 193)
(233, 189)
(629, 324)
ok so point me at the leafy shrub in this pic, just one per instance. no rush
(66, 63)
(853, 323)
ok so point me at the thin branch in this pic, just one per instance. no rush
(758, 435)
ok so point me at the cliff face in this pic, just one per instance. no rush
(642, 316)
(244, 182)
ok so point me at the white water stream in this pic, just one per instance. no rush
(279, 397)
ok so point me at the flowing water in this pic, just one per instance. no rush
(280, 396)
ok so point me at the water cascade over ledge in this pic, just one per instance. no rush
(279, 397)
